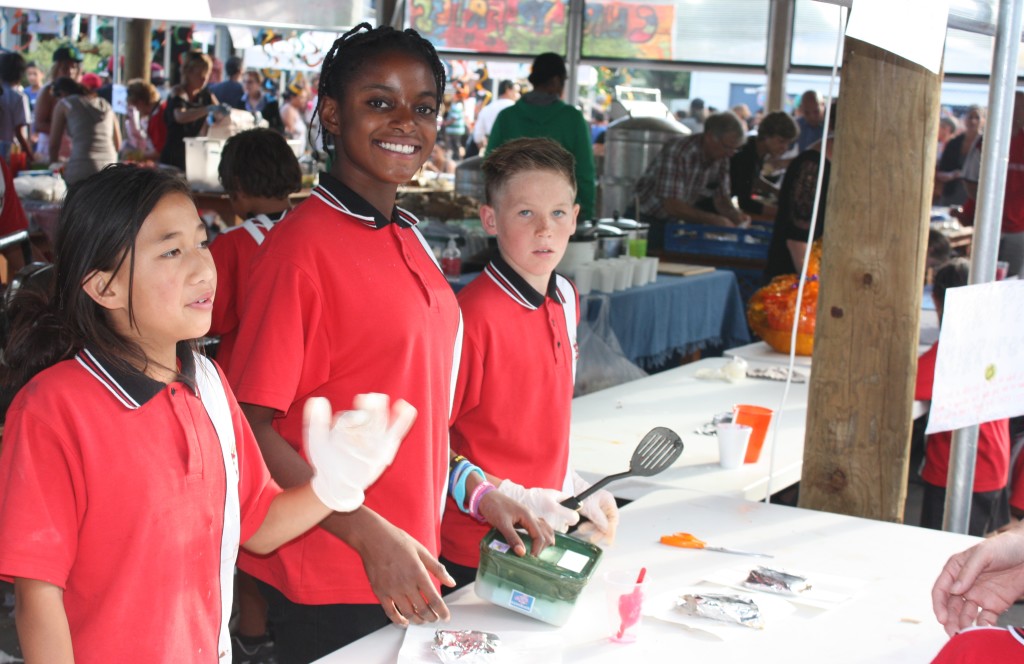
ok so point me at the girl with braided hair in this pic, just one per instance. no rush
(347, 297)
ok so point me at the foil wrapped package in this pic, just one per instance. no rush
(465, 646)
(724, 608)
(776, 581)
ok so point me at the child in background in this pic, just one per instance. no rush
(988, 503)
(351, 298)
(514, 394)
(128, 476)
(259, 171)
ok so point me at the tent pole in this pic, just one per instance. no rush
(780, 37)
(573, 46)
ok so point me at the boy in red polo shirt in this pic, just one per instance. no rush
(513, 398)
(989, 509)
(258, 170)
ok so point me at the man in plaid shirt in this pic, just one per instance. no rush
(689, 179)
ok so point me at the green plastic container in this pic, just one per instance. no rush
(544, 587)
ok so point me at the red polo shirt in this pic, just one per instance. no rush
(349, 302)
(993, 460)
(1013, 200)
(233, 251)
(112, 487)
(513, 399)
(12, 215)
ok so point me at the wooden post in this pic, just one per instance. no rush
(865, 351)
(138, 49)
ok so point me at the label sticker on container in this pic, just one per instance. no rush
(520, 601)
(573, 561)
(501, 547)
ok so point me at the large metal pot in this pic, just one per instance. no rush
(630, 144)
(469, 178)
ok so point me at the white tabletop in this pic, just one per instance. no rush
(607, 425)
(887, 568)
(761, 353)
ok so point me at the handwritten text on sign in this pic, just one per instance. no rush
(979, 371)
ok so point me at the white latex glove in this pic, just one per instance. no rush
(349, 453)
(602, 512)
(544, 503)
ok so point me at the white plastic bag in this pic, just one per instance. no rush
(601, 361)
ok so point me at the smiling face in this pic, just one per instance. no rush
(384, 125)
(173, 284)
(533, 217)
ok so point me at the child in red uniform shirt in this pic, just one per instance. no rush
(351, 299)
(514, 394)
(128, 476)
(989, 509)
(259, 171)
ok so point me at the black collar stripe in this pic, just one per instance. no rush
(134, 388)
(505, 285)
(406, 218)
(337, 195)
(326, 197)
(517, 287)
(100, 373)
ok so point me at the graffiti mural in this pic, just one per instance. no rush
(616, 29)
(492, 26)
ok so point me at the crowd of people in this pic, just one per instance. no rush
(64, 119)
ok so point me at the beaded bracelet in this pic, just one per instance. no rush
(460, 486)
(479, 492)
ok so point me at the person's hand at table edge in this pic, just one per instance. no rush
(399, 570)
(977, 585)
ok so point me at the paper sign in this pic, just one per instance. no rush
(912, 29)
(119, 98)
(979, 370)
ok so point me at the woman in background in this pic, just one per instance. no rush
(950, 169)
(187, 106)
(88, 120)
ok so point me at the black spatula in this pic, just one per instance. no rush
(657, 451)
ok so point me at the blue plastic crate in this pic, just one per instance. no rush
(699, 240)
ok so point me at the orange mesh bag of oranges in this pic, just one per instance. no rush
(771, 309)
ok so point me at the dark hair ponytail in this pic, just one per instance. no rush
(99, 220)
(359, 46)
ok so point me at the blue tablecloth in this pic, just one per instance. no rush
(677, 315)
(672, 315)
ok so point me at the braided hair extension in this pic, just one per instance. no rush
(358, 46)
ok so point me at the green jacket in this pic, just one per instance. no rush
(561, 123)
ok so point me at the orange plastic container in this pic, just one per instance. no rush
(758, 419)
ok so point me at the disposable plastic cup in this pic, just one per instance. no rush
(585, 278)
(758, 419)
(1002, 269)
(732, 443)
(652, 268)
(639, 272)
(625, 598)
(623, 274)
(605, 277)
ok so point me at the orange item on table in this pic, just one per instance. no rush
(758, 419)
